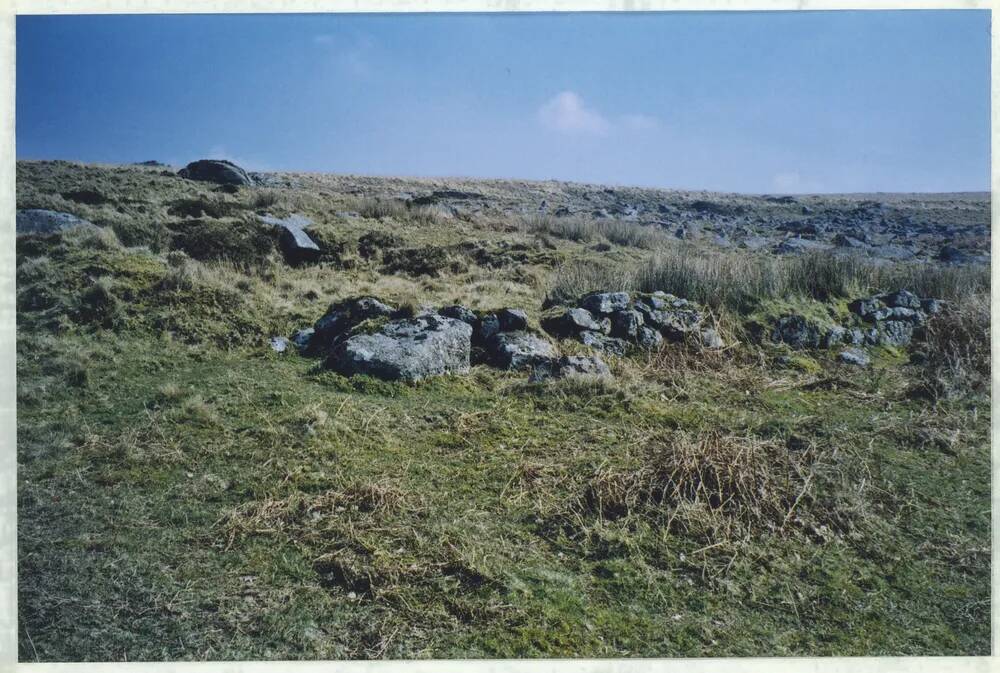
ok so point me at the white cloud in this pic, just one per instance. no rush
(565, 112)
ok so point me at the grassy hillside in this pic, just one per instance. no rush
(186, 493)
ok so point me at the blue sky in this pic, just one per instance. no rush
(750, 102)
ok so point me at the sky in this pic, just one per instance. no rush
(758, 102)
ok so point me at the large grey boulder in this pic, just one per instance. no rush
(219, 171)
(407, 350)
(518, 350)
(41, 221)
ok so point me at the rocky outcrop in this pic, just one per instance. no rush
(890, 319)
(218, 171)
(363, 335)
(614, 322)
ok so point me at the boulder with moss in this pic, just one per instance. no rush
(407, 350)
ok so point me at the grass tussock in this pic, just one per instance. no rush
(713, 485)
(957, 349)
(741, 282)
(586, 230)
(379, 208)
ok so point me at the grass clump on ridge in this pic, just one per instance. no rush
(741, 282)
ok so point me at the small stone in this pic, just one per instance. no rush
(796, 331)
(518, 350)
(604, 343)
(932, 306)
(834, 336)
(866, 308)
(301, 337)
(571, 366)
(854, 356)
(626, 324)
(279, 344)
(648, 338)
(710, 339)
(855, 337)
(571, 323)
(605, 303)
(485, 328)
(903, 299)
(512, 319)
(40, 221)
(459, 313)
(896, 333)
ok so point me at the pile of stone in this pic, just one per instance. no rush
(890, 319)
(615, 322)
(366, 336)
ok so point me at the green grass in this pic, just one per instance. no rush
(232, 513)
(184, 493)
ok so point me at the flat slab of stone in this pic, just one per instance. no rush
(41, 221)
(295, 243)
